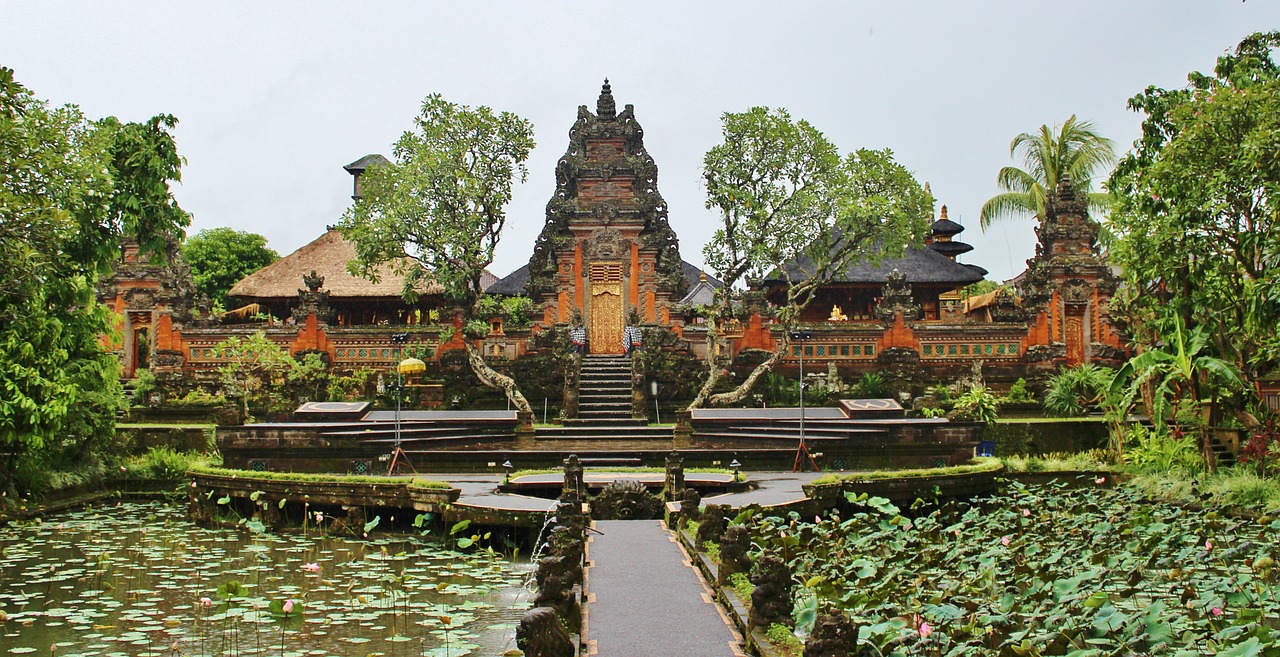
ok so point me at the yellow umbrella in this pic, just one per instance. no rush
(412, 366)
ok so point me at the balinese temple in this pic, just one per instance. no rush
(606, 249)
(935, 279)
(148, 293)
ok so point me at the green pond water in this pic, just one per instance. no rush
(138, 579)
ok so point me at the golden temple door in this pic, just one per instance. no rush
(604, 325)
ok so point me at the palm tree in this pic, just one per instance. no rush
(1072, 148)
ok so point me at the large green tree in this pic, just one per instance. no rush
(1197, 213)
(785, 195)
(220, 257)
(70, 189)
(1073, 148)
(436, 213)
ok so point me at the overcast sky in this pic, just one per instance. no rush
(274, 98)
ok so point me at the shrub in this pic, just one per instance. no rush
(1018, 393)
(1162, 451)
(1075, 389)
(162, 463)
(977, 405)
(870, 386)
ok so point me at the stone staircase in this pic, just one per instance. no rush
(604, 406)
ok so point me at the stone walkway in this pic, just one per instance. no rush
(644, 598)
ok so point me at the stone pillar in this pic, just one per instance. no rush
(673, 487)
(573, 491)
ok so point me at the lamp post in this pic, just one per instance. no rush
(735, 465)
(653, 392)
(802, 452)
(398, 339)
(508, 466)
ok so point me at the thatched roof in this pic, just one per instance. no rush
(921, 266)
(327, 255)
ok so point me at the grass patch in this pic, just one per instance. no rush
(164, 463)
(742, 587)
(321, 478)
(1087, 461)
(981, 464)
(1239, 487)
(784, 639)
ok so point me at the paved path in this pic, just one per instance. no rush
(644, 599)
(772, 489)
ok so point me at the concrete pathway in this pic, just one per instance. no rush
(644, 598)
(772, 489)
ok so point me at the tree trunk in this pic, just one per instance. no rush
(714, 372)
(496, 380)
(705, 396)
(738, 394)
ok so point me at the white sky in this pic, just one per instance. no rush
(273, 98)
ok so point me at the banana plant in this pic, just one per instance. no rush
(1177, 374)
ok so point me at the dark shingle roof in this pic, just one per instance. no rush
(946, 227)
(951, 249)
(515, 282)
(363, 163)
(918, 265)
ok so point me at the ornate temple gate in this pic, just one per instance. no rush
(605, 318)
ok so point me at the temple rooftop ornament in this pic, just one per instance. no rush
(943, 235)
(605, 107)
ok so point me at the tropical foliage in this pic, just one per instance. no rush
(71, 188)
(220, 257)
(1196, 213)
(1074, 390)
(1037, 570)
(785, 195)
(1072, 149)
(437, 212)
(251, 365)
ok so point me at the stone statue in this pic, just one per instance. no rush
(689, 503)
(711, 526)
(771, 600)
(733, 552)
(625, 499)
(540, 634)
(834, 635)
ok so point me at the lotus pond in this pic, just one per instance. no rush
(1038, 570)
(138, 579)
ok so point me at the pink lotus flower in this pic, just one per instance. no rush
(319, 516)
(206, 602)
(1100, 481)
(1216, 611)
(124, 469)
(1004, 540)
(1026, 512)
(288, 606)
(193, 484)
(925, 629)
(1208, 545)
(311, 567)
